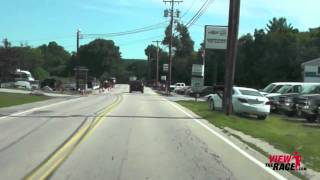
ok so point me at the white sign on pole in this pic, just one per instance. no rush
(216, 37)
(165, 67)
(198, 70)
(163, 78)
(196, 83)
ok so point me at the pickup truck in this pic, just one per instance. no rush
(288, 102)
(308, 107)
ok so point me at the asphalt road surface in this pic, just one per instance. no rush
(119, 136)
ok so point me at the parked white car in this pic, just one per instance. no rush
(177, 86)
(244, 101)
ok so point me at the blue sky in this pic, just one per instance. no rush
(37, 22)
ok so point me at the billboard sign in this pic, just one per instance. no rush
(216, 37)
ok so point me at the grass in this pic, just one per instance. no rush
(282, 134)
(12, 99)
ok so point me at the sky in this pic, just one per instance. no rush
(37, 22)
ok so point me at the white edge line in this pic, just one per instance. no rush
(38, 108)
(254, 160)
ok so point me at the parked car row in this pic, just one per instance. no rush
(291, 98)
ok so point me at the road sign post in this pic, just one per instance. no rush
(166, 69)
(197, 79)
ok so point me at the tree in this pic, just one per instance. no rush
(279, 25)
(55, 58)
(99, 56)
(8, 63)
(185, 43)
(6, 43)
(184, 53)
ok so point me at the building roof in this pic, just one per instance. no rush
(311, 63)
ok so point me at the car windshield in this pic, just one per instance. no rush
(276, 88)
(250, 93)
(309, 89)
(284, 89)
(269, 88)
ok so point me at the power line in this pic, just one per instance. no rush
(129, 32)
(199, 13)
(187, 11)
(139, 41)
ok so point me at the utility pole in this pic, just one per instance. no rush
(172, 2)
(77, 58)
(78, 39)
(234, 13)
(149, 67)
(157, 75)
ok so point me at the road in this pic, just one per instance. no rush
(119, 136)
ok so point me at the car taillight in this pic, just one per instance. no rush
(242, 100)
(268, 103)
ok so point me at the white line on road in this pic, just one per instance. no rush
(38, 108)
(260, 164)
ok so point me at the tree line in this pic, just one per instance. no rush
(272, 54)
(101, 57)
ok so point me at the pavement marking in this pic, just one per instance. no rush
(38, 108)
(254, 160)
(55, 160)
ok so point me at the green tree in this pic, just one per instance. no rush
(99, 56)
(55, 58)
(184, 55)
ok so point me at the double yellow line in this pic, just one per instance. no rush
(55, 160)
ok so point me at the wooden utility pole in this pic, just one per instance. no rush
(77, 59)
(78, 39)
(157, 75)
(172, 2)
(234, 13)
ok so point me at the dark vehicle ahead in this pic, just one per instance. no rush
(308, 106)
(136, 86)
(288, 102)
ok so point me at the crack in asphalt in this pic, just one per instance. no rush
(24, 136)
(221, 171)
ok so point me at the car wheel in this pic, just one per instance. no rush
(211, 105)
(262, 117)
(311, 119)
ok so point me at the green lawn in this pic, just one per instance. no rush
(283, 134)
(12, 99)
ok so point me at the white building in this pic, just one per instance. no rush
(311, 70)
